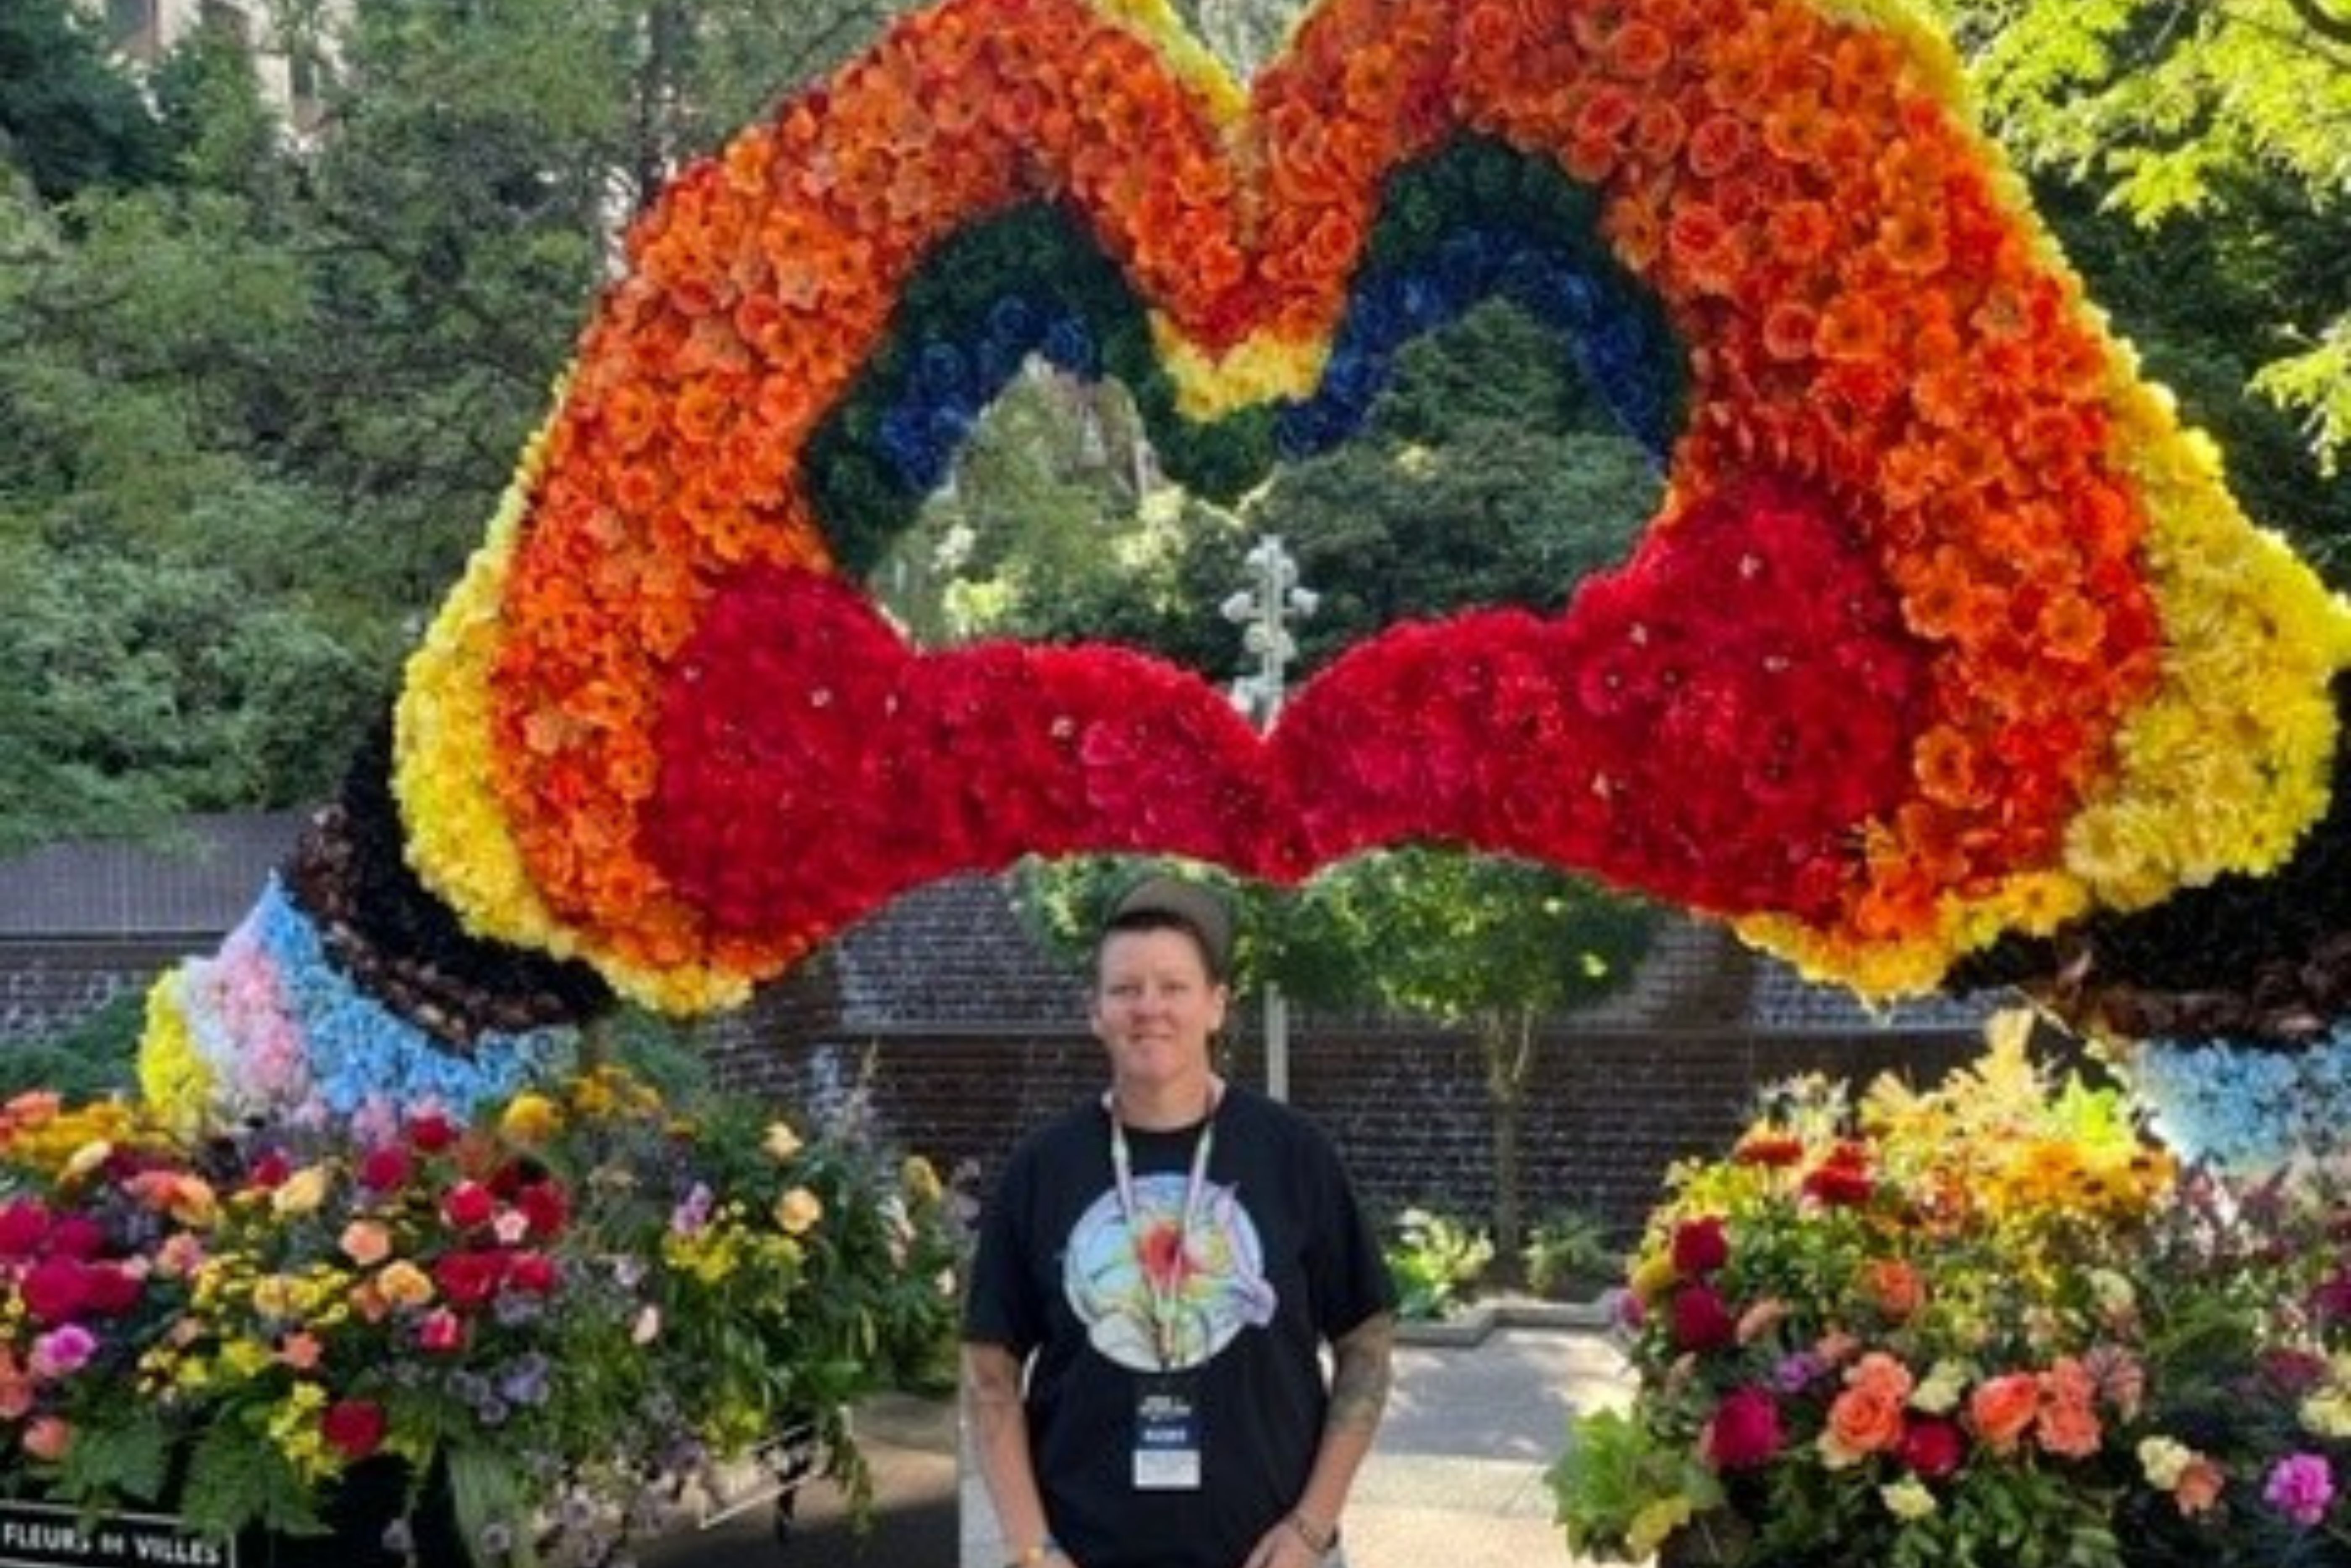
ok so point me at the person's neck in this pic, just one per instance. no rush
(1163, 1107)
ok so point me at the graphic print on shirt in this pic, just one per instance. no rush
(1212, 1280)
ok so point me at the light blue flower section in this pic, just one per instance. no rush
(2247, 1108)
(364, 1056)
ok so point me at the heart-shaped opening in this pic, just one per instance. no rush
(1476, 222)
(1865, 676)
(907, 766)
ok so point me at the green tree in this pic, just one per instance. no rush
(68, 119)
(254, 412)
(1490, 944)
(1493, 945)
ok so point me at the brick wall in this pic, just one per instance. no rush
(1605, 1116)
(45, 987)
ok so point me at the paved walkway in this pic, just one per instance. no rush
(1457, 1475)
(1455, 1479)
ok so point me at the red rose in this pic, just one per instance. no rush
(55, 1289)
(353, 1427)
(533, 1272)
(109, 1291)
(23, 1225)
(76, 1236)
(386, 1169)
(270, 1170)
(1745, 1431)
(469, 1204)
(543, 1204)
(1701, 1321)
(431, 1133)
(1842, 1180)
(1701, 1246)
(470, 1279)
(1933, 1448)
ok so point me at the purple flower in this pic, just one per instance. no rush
(1796, 1373)
(2300, 1487)
(692, 1215)
(525, 1382)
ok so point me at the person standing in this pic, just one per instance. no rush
(1158, 1274)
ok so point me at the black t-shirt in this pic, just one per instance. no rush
(1278, 1259)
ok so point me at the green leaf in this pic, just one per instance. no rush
(113, 1461)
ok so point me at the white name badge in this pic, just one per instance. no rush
(1167, 1436)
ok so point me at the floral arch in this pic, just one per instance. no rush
(1967, 664)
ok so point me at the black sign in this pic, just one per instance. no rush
(39, 1535)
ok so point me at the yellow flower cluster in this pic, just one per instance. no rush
(174, 1079)
(715, 1252)
(1251, 374)
(2326, 1411)
(2227, 765)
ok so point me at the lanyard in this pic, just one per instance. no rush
(1164, 1293)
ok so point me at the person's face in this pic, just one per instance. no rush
(1154, 1006)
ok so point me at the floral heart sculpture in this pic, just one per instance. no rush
(1945, 630)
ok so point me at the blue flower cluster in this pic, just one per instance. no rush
(2246, 1108)
(946, 384)
(1624, 351)
(361, 1053)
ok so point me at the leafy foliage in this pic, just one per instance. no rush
(67, 120)
(1434, 1259)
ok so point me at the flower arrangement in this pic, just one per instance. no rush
(547, 1312)
(1990, 1323)
(1771, 233)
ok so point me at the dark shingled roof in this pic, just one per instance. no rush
(200, 882)
(950, 956)
(954, 954)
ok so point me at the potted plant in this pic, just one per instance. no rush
(1991, 1323)
(515, 1330)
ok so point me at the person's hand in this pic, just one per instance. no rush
(1283, 1546)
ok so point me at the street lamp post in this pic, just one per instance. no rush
(1264, 609)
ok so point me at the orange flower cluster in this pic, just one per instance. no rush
(1864, 313)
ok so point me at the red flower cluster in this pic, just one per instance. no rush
(53, 1261)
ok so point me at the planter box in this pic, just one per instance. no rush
(44, 1535)
(1468, 1328)
(35, 1533)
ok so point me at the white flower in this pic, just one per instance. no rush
(2164, 1460)
(1907, 1499)
(1939, 1393)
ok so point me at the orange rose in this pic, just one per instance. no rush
(2199, 1488)
(1862, 1421)
(2070, 1427)
(2001, 1408)
(1893, 1287)
(1880, 1374)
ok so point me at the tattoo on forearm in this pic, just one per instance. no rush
(1359, 1375)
